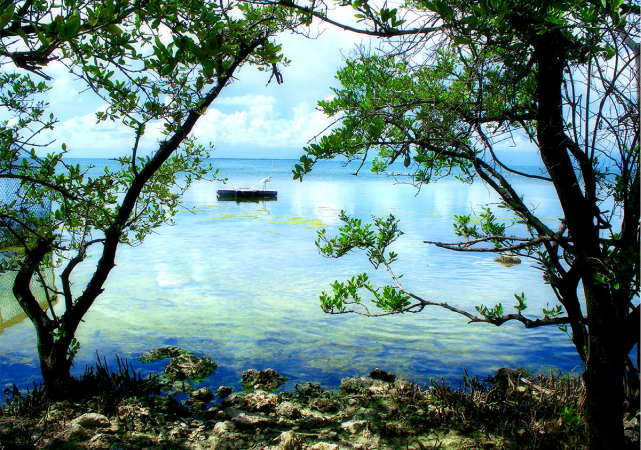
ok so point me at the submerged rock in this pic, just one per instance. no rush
(190, 367)
(356, 384)
(309, 390)
(202, 395)
(224, 391)
(508, 260)
(267, 379)
(157, 354)
(378, 374)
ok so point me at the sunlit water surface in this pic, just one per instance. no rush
(239, 282)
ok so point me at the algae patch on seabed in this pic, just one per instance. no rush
(228, 216)
(311, 223)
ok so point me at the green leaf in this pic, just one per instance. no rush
(113, 28)
(7, 15)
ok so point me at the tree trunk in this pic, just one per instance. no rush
(604, 366)
(54, 365)
(603, 374)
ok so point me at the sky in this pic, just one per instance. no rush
(248, 120)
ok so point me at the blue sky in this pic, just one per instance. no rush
(248, 120)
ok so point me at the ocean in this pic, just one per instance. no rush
(240, 282)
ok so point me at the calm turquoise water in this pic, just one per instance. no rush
(239, 282)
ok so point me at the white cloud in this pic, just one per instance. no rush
(261, 125)
(246, 100)
(86, 138)
(257, 123)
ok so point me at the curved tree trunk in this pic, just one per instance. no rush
(52, 350)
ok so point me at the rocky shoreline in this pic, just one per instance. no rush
(376, 411)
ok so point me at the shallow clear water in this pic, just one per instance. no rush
(239, 282)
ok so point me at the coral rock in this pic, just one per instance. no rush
(161, 353)
(77, 432)
(224, 428)
(267, 379)
(288, 410)
(251, 421)
(92, 420)
(203, 395)
(289, 441)
(223, 391)
(378, 374)
(261, 401)
(324, 446)
(353, 427)
(190, 367)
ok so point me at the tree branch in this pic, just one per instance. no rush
(465, 246)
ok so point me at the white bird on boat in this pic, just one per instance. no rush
(265, 181)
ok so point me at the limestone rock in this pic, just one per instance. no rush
(77, 432)
(199, 407)
(311, 421)
(261, 401)
(190, 367)
(224, 428)
(379, 387)
(309, 390)
(289, 441)
(177, 432)
(252, 421)
(92, 420)
(288, 410)
(404, 386)
(267, 379)
(223, 391)
(353, 427)
(161, 353)
(232, 412)
(324, 446)
(325, 405)
(356, 384)
(202, 395)
(378, 374)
